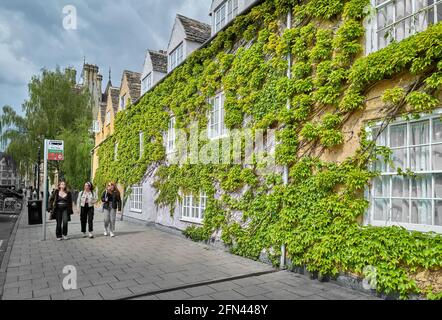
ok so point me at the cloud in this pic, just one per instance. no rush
(111, 33)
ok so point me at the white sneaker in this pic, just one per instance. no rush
(112, 234)
(59, 239)
(91, 235)
(65, 238)
(105, 233)
(84, 235)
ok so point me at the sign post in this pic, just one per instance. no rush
(53, 151)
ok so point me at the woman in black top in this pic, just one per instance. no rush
(61, 205)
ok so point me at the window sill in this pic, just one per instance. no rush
(224, 136)
(136, 210)
(190, 220)
(408, 226)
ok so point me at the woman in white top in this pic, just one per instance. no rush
(85, 203)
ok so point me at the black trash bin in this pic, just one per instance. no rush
(35, 212)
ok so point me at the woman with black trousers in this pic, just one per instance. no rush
(60, 204)
(85, 203)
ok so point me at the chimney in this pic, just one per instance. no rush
(99, 86)
(72, 73)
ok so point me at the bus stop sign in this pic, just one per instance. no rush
(55, 150)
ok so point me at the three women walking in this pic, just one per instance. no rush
(61, 208)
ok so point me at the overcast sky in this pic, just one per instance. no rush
(110, 33)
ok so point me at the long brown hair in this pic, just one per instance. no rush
(116, 191)
(66, 189)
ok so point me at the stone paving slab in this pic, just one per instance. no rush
(266, 287)
(140, 260)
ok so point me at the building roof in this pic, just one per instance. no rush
(115, 95)
(102, 111)
(134, 83)
(195, 30)
(159, 61)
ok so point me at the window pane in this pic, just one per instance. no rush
(381, 139)
(420, 158)
(400, 187)
(400, 211)
(437, 157)
(398, 136)
(421, 212)
(437, 130)
(420, 132)
(380, 208)
(438, 185)
(385, 15)
(384, 38)
(438, 213)
(439, 12)
(399, 158)
(403, 9)
(421, 21)
(421, 186)
(381, 186)
(380, 165)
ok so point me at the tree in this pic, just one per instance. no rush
(56, 109)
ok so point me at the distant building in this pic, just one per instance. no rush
(9, 176)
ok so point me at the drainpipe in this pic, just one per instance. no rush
(286, 169)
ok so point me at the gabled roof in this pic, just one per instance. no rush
(159, 61)
(103, 108)
(195, 30)
(115, 95)
(134, 83)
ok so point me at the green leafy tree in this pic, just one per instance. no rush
(55, 109)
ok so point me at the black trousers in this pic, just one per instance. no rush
(62, 217)
(87, 217)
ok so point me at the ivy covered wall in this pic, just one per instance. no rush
(321, 140)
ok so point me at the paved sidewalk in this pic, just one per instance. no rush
(145, 260)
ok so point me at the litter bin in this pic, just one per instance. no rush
(35, 212)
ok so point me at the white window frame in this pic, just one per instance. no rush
(176, 56)
(225, 13)
(147, 82)
(108, 118)
(190, 210)
(141, 138)
(96, 126)
(136, 199)
(415, 21)
(170, 138)
(216, 127)
(390, 173)
(122, 102)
